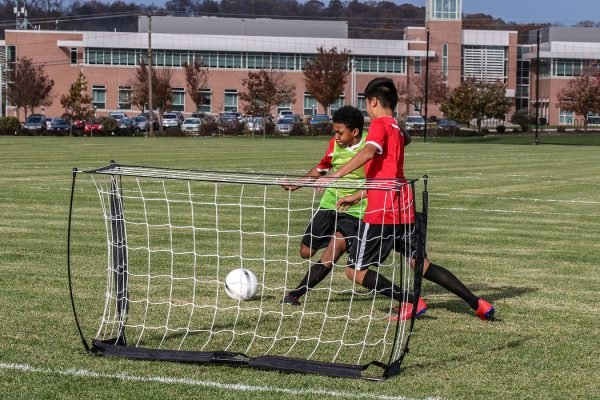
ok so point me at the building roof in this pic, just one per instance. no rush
(245, 26)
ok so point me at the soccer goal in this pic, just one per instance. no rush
(171, 236)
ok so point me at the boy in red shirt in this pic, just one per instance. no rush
(389, 217)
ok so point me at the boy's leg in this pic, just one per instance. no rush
(373, 280)
(319, 270)
(447, 280)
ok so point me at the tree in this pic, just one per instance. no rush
(265, 89)
(414, 92)
(77, 103)
(326, 75)
(29, 86)
(474, 99)
(196, 78)
(582, 94)
(161, 88)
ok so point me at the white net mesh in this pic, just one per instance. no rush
(179, 234)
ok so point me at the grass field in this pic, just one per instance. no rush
(519, 224)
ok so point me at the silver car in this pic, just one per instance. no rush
(191, 125)
(255, 124)
(170, 120)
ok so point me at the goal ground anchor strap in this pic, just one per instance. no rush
(270, 363)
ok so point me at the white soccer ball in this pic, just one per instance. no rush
(241, 284)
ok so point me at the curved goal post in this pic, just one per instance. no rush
(171, 237)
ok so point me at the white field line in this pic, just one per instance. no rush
(485, 210)
(192, 382)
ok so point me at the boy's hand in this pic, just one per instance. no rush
(346, 202)
(327, 181)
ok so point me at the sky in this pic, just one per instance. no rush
(566, 12)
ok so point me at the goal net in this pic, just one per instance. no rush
(172, 236)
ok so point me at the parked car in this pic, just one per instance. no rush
(319, 119)
(285, 113)
(170, 120)
(125, 126)
(57, 124)
(414, 123)
(285, 124)
(117, 115)
(92, 126)
(141, 123)
(255, 124)
(180, 116)
(228, 120)
(191, 125)
(35, 122)
(448, 126)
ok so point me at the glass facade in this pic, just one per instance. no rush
(233, 60)
(444, 9)
(339, 103)
(566, 118)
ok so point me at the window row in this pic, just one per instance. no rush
(231, 60)
(230, 101)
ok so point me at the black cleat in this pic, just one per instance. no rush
(289, 299)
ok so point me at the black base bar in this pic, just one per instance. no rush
(108, 348)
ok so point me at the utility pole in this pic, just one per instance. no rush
(426, 86)
(150, 108)
(537, 88)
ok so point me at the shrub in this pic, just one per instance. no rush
(500, 129)
(522, 119)
(10, 126)
(109, 125)
(209, 128)
(561, 128)
(320, 129)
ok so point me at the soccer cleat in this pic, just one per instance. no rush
(406, 310)
(289, 299)
(485, 310)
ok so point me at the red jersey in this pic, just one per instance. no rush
(387, 206)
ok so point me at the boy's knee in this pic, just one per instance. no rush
(355, 275)
(305, 252)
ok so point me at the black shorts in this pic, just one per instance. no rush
(374, 243)
(323, 226)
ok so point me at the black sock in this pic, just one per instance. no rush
(448, 281)
(316, 273)
(375, 281)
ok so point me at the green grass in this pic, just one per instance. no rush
(519, 224)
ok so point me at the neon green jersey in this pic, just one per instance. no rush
(335, 157)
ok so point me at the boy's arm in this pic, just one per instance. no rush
(311, 175)
(361, 158)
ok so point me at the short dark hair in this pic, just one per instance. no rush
(351, 117)
(384, 90)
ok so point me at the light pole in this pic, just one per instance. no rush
(426, 85)
(353, 80)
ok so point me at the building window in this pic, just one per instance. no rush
(230, 103)
(178, 99)
(73, 56)
(444, 9)
(485, 63)
(339, 103)
(565, 118)
(362, 103)
(205, 101)
(99, 97)
(310, 104)
(417, 65)
(124, 98)
(11, 54)
(417, 106)
(283, 107)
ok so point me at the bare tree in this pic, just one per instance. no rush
(29, 86)
(196, 78)
(266, 89)
(326, 75)
(414, 92)
(582, 94)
